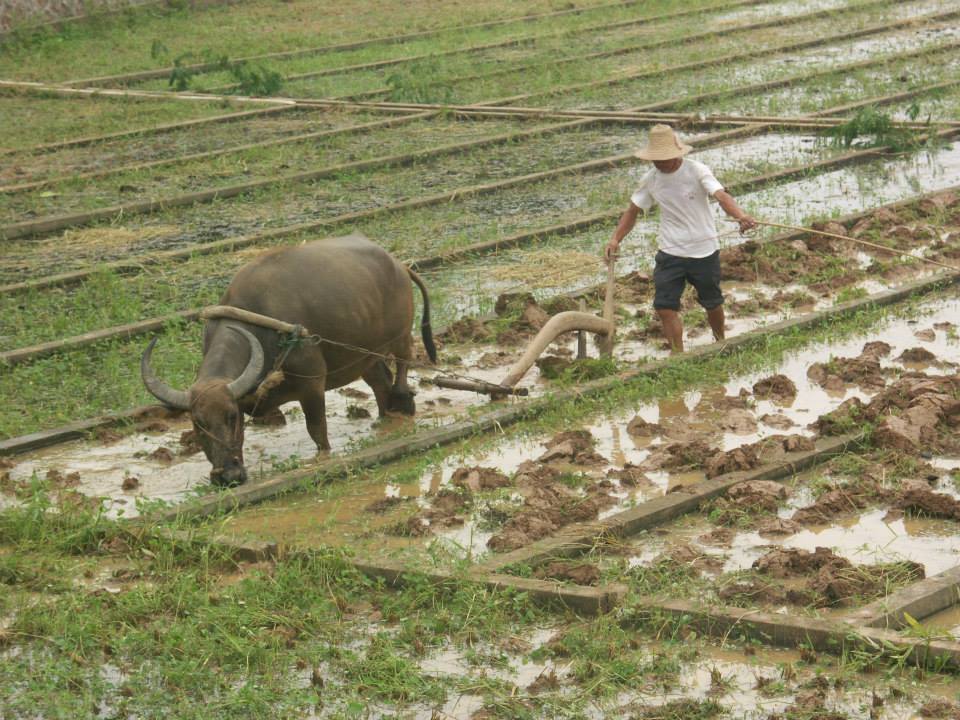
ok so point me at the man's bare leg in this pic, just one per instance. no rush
(672, 328)
(717, 319)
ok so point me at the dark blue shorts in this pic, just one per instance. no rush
(671, 275)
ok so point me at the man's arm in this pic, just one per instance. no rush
(627, 221)
(731, 208)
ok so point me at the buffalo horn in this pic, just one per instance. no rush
(160, 390)
(248, 379)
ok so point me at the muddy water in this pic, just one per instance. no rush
(725, 675)
(103, 467)
(696, 414)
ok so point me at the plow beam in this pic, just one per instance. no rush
(556, 326)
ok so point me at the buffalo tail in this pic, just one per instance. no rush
(426, 332)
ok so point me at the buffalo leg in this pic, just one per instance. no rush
(401, 397)
(379, 379)
(314, 406)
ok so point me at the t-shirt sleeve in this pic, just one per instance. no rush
(641, 196)
(707, 181)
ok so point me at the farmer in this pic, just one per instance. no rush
(687, 238)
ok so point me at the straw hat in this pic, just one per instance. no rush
(662, 144)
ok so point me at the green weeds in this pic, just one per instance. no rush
(872, 128)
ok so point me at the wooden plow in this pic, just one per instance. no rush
(570, 321)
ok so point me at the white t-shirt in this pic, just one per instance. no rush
(686, 221)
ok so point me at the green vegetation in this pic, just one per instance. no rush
(123, 619)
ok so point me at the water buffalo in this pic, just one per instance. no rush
(345, 290)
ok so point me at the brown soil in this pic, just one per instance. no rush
(638, 427)
(686, 554)
(757, 495)
(778, 421)
(739, 422)
(718, 537)
(572, 446)
(476, 479)
(60, 480)
(927, 335)
(579, 573)
(739, 459)
(831, 579)
(385, 504)
(162, 454)
(916, 496)
(777, 527)
(863, 370)
(130, 482)
(940, 708)
(630, 476)
(545, 681)
(512, 302)
(917, 355)
(152, 426)
(689, 454)
(355, 412)
(466, 330)
(778, 388)
(548, 506)
(839, 501)
(841, 420)
(106, 435)
(552, 366)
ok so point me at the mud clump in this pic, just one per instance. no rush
(832, 579)
(940, 708)
(162, 455)
(548, 505)
(778, 388)
(130, 483)
(739, 422)
(685, 554)
(638, 427)
(917, 355)
(842, 420)
(466, 330)
(778, 421)
(834, 503)
(385, 504)
(629, 476)
(917, 497)
(777, 527)
(63, 480)
(718, 537)
(863, 370)
(107, 436)
(356, 412)
(446, 510)
(553, 366)
(477, 479)
(579, 573)
(758, 495)
(739, 459)
(691, 454)
(572, 446)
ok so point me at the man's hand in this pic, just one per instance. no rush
(611, 251)
(746, 223)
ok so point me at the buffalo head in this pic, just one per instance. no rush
(214, 409)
